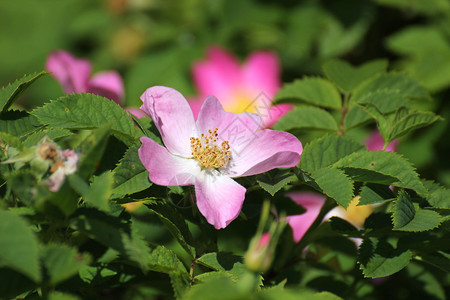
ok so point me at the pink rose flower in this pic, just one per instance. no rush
(74, 75)
(312, 203)
(208, 152)
(375, 142)
(249, 87)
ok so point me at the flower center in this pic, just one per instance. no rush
(242, 102)
(208, 152)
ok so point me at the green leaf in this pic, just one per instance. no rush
(385, 100)
(159, 259)
(312, 90)
(62, 262)
(438, 259)
(52, 133)
(10, 140)
(18, 123)
(383, 124)
(216, 288)
(335, 184)
(373, 193)
(147, 128)
(429, 283)
(226, 262)
(274, 181)
(439, 197)
(98, 193)
(348, 77)
(355, 117)
(294, 294)
(307, 117)
(380, 258)
(179, 284)
(391, 83)
(11, 92)
(341, 225)
(85, 111)
(385, 163)
(19, 246)
(92, 149)
(418, 40)
(176, 225)
(326, 151)
(104, 229)
(410, 122)
(130, 176)
(56, 295)
(14, 283)
(406, 217)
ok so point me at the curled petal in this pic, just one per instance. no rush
(266, 150)
(172, 116)
(261, 72)
(312, 203)
(107, 84)
(219, 198)
(72, 73)
(164, 168)
(136, 112)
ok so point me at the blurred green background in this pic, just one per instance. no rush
(155, 43)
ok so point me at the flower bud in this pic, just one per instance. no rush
(260, 253)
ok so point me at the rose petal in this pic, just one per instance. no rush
(275, 113)
(107, 84)
(218, 75)
(136, 112)
(312, 203)
(164, 168)
(72, 73)
(266, 150)
(219, 198)
(261, 72)
(213, 116)
(172, 116)
(196, 105)
(375, 142)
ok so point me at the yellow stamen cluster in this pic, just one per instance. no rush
(206, 150)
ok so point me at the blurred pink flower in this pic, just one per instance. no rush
(312, 203)
(375, 142)
(207, 153)
(74, 75)
(249, 87)
(67, 165)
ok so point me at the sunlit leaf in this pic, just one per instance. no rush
(348, 77)
(11, 92)
(335, 184)
(325, 151)
(312, 90)
(385, 163)
(307, 117)
(84, 111)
